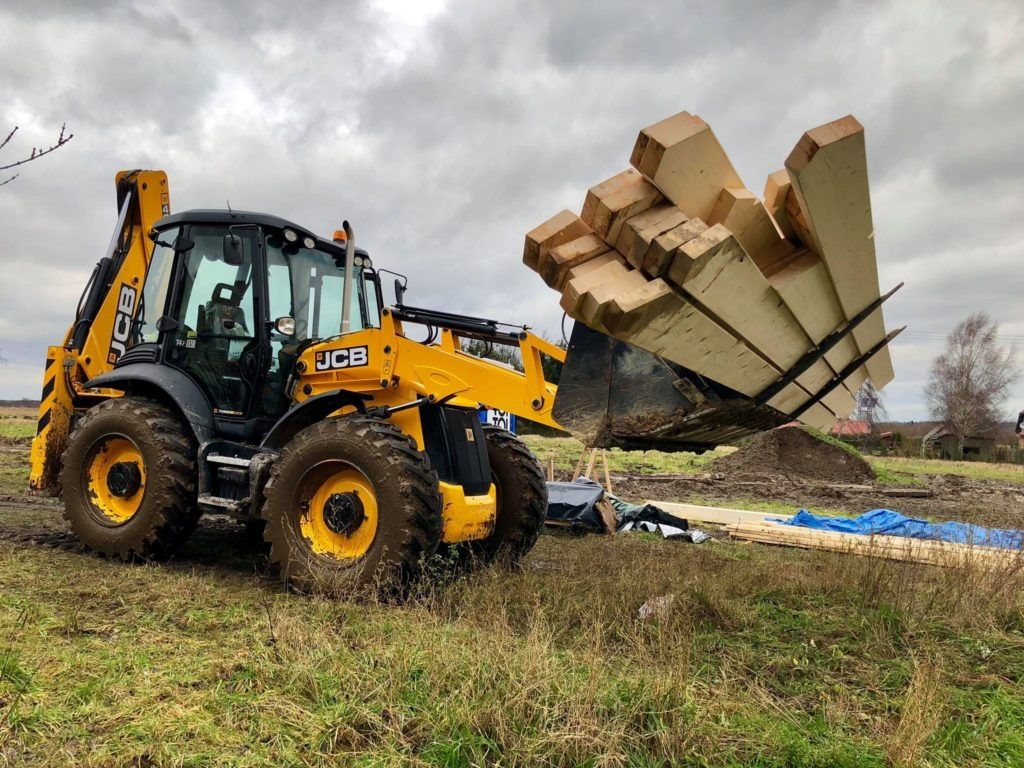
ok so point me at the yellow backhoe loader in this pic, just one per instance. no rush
(232, 362)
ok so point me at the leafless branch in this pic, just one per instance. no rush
(62, 139)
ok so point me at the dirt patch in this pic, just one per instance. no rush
(794, 453)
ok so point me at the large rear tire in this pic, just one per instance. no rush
(522, 500)
(351, 504)
(129, 479)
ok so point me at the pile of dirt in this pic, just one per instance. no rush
(794, 453)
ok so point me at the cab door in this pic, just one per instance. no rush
(220, 335)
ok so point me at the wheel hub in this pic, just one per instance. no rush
(124, 479)
(343, 513)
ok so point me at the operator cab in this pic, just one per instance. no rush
(232, 298)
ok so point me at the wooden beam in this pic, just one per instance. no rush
(640, 230)
(739, 211)
(656, 318)
(560, 228)
(828, 172)
(715, 270)
(695, 513)
(940, 553)
(556, 263)
(609, 205)
(776, 189)
(683, 158)
(584, 277)
(662, 249)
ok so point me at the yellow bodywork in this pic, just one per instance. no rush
(397, 371)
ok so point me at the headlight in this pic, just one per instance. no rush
(290, 235)
(309, 242)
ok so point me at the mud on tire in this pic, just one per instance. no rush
(167, 512)
(406, 500)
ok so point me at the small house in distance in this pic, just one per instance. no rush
(942, 443)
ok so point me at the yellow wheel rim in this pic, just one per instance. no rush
(114, 500)
(339, 515)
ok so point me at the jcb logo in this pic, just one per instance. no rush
(348, 357)
(122, 322)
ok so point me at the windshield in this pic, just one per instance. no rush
(308, 285)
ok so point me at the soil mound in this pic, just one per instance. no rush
(797, 454)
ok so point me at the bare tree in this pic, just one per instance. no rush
(36, 153)
(970, 380)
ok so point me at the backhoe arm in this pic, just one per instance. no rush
(104, 319)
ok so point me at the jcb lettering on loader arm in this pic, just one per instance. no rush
(377, 457)
(123, 319)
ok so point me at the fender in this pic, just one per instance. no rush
(309, 412)
(175, 385)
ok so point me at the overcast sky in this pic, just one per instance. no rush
(445, 131)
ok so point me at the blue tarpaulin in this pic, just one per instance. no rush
(890, 523)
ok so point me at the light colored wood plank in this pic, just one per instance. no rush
(640, 230)
(581, 279)
(658, 257)
(683, 158)
(739, 210)
(715, 270)
(655, 318)
(560, 228)
(776, 189)
(806, 288)
(940, 553)
(828, 173)
(695, 513)
(556, 263)
(607, 210)
(607, 187)
(598, 297)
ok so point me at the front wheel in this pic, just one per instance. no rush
(351, 503)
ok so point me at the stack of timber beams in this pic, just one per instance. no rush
(676, 256)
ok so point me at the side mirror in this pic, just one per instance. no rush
(285, 326)
(399, 292)
(233, 253)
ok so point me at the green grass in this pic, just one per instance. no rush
(765, 657)
(17, 422)
(888, 470)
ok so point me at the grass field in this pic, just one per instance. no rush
(764, 656)
(889, 469)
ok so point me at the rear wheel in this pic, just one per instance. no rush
(351, 503)
(522, 499)
(128, 480)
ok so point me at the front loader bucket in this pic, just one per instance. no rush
(613, 394)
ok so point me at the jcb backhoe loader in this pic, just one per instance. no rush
(234, 362)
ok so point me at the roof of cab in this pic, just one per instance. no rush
(216, 216)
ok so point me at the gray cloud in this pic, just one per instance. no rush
(445, 131)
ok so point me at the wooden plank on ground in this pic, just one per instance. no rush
(828, 172)
(683, 158)
(560, 228)
(695, 513)
(939, 553)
